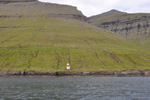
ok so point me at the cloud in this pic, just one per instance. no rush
(93, 7)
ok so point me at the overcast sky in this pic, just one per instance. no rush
(94, 7)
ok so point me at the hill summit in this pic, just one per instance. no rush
(112, 12)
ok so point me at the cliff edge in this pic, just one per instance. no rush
(34, 8)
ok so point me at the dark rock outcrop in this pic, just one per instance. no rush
(145, 73)
(127, 25)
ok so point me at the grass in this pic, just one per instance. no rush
(47, 45)
(55, 59)
(133, 27)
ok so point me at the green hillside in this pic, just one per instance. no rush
(133, 27)
(47, 44)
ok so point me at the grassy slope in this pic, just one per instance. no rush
(108, 17)
(41, 44)
(139, 40)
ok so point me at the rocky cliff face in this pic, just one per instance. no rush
(34, 8)
(129, 25)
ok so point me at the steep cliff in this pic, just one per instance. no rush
(34, 8)
(131, 26)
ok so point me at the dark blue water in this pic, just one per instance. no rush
(74, 88)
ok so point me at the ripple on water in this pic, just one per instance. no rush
(74, 88)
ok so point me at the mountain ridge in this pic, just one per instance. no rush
(33, 8)
(125, 24)
(111, 12)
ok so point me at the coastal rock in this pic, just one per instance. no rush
(147, 73)
(92, 73)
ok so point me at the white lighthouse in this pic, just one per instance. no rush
(68, 67)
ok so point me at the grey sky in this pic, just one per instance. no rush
(93, 7)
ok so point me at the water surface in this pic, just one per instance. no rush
(74, 88)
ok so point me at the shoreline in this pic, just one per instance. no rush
(143, 73)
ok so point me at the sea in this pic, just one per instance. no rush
(75, 88)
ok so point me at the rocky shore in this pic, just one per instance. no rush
(145, 73)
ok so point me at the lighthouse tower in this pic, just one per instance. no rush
(68, 67)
